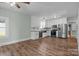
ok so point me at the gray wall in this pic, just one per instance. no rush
(73, 22)
(19, 25)
(78, 30)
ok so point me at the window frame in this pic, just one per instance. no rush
(7, 26)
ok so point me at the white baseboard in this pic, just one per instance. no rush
(7, 43)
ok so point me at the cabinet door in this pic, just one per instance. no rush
(49, 33)
(34, 35)
(44, 34)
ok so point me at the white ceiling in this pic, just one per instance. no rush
(45, 8)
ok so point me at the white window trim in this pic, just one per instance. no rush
(7, 24)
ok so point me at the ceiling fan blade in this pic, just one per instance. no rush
(17, 6)
(26, 2)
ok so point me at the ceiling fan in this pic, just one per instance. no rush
(17, 5)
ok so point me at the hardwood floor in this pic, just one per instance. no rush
(41, 47)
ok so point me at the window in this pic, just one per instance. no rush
(2, 28)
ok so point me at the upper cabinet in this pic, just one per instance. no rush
(39, 22)
(51, 22)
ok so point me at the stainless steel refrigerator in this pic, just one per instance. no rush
(62, 30)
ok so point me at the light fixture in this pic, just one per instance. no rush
(11, 3)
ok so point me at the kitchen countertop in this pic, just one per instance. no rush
(39, 30)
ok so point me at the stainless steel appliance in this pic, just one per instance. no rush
(53, 31)
(62, 30)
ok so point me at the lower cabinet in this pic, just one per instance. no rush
(44, 34)
(37, 34)
(34, 35)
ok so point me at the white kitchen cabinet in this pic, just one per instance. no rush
(34, 35)
(49, 33)
(44, 34)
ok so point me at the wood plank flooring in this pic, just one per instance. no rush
(41, 47)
